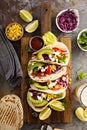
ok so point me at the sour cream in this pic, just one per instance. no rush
(81, 93)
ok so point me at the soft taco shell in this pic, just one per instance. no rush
(58, 45)
(42, 108)
(51, 77)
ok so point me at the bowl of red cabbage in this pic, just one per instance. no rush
(82, 39)
(67, 20)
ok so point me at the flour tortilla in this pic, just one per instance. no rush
(9, 116)
(42, 108)
(51, 77)
(9, 99)
(57, 44)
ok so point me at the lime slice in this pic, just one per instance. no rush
(31, 27)
(85, 112)
(80, 114)
(26, 15)
(57, 106)
(45, 113)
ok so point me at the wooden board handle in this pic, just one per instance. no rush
(45, 17)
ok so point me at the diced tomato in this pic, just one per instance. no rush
(40, 74)
(56, 49)
(56, 87)
(48, 70)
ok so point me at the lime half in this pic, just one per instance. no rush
(80, 114)
(26, 15)
(31, 27)
(57, 106)
(45, 113)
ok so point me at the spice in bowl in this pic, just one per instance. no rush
(82, 40)
(14, 31)
(36, 43)
(67, 20)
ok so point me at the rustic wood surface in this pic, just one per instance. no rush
(63, 117)
(9, 12)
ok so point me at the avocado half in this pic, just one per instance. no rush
(37, 103)
(44, 51)
(37, 85)
(33, 65)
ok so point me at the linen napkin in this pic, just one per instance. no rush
(10, 67)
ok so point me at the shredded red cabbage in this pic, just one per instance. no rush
(64, 83)
(46, 57)
(67, 21)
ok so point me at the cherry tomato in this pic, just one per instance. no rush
(48, 70)
(56, 87)
(40, 74)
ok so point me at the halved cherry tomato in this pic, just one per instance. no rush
(40, 74)
(48, 70)
(56, 87)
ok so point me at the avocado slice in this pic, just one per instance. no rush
(36, 102)
(44, 51)
(34, 65)
(37, 85)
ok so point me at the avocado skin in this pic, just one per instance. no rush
(37, 85)
(37, 103)
(36, 64)
(44, 51)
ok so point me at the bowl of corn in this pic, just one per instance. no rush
(14, 31)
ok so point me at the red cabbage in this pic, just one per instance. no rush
(67, 21)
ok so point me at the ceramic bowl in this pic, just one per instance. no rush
(80, 33)
(36, 43)
(76, 13)
(14, 31)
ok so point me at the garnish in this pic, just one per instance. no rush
(30, 81)
(35, 114)
(81, 76)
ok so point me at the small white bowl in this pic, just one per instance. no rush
(79, 37)
(76, 13)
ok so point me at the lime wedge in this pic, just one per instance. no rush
(57, 106)
(85, 112)
(45, 113)
(80, 114)
(26, 15)
(31, 27)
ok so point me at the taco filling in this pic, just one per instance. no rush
(40, 99)
(59, 84)
(39, 69)
(55, 55)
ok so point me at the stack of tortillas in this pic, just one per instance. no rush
(11, 113)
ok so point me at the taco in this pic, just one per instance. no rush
(38, 100)
(57, 53)
(42, 72)
(55, 87)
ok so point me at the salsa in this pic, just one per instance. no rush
(36, 43)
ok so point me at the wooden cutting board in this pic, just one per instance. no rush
(56, 117)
